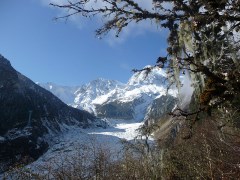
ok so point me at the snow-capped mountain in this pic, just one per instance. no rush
(115, 100)
(65, 93)
(132, 101)
(156, 76)
(87, 94)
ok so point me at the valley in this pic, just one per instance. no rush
(68, 143)
(102, 113)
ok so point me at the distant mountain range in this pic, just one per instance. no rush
(28, 113)
(115, 100)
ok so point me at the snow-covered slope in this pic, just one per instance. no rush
(132, 101)
(115, 100)
(87, 94)
(155, 76)
(83, 145)
(65, 93)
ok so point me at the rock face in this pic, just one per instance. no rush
(27, 113)
(115, 110)
(159, 107)
(114, 100)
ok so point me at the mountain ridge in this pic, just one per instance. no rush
(115, 100)
(28, 113)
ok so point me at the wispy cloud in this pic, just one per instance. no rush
(133, 29)
(47, 2)
(77, 20)
(125, 66)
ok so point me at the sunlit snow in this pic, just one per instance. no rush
(69, 142)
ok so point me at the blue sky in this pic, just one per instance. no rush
(68, 53)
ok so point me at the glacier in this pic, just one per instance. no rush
(124, 107)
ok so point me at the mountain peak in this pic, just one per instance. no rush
(155, 76)
(115, 99)
(102, 81)
(4, 61)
